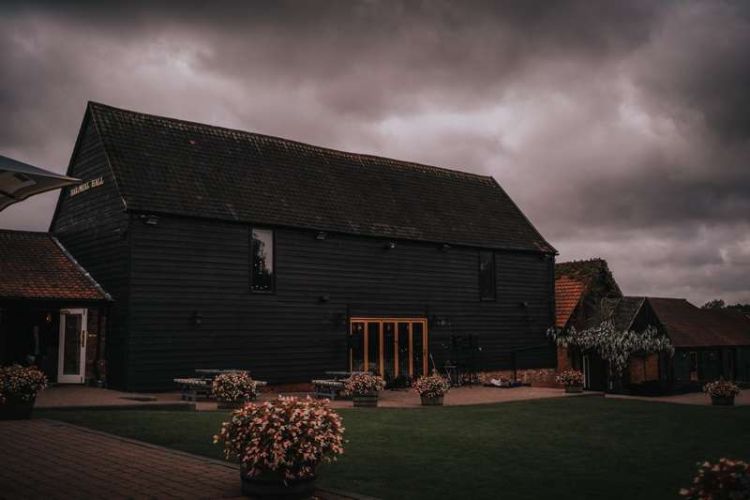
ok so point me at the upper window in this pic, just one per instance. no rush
(261, 277)
(487, 275)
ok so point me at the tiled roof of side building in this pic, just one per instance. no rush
(170, 166)
(689, 326)
(568, 293)
(36, 266)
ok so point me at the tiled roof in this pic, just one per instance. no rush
(690, 326)
(568, 293)
(170, 166)
(588, 271)
(36, 266)
(625, 312)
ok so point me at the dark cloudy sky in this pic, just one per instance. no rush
(622, 129)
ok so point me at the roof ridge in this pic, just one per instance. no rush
(314, 147)
(78, 266)
(24, 231)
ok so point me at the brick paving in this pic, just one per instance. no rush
(46, 459)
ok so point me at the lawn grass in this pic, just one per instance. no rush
(558, 448)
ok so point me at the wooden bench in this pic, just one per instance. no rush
(193, 387)
(326, 388)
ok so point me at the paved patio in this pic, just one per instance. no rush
(77, 396)
(72, 397)
(80, 396)
(46, 459)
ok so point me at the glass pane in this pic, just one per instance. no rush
(357, 346)
(72, 347)
(486, 275)
(388, 351)
(373, 347)
(403, 349)
(262, 272)
(417, 346)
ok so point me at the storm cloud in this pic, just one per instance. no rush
(622, 129)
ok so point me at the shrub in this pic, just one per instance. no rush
(721, 389)
(234, 387)
(21, 382)
(361, 384)
(432, 386)
(570, 377)
(289, 436)
(727, 479)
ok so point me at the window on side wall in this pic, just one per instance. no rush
(262, 260)
(487, 275)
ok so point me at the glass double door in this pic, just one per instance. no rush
(391, 347)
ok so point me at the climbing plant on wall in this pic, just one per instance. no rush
(614, 346)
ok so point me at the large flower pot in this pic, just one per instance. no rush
(271, 485)
(573, 389)
(16, 408)
(722, 400)
(365, 400)
(428, 401)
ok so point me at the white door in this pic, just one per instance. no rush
(71, 357)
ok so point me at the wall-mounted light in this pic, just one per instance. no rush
(524, 305)
(445, 247)
(324, 298)
(390, 245)
(196, 319)
(150, 220)
(440, 321)
(321, 235)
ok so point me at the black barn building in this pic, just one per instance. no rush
(229, 249)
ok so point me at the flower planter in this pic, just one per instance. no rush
(271, 485)
(365, 400)
(428, 401)
(722, 400)
(16, 409)
(573, 389)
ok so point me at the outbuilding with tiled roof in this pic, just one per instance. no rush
(52, 311)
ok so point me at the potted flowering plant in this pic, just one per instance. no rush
(280, 444)
(233, 389)
(722, 392)
(571, 379)
(364, 388)
(19, 386)
(432, 389)
(725, 479)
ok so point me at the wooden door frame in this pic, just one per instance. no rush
(366, 320)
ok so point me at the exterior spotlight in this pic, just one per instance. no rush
(390, 245)
(196, 318)
(150, 220)
(321, 235)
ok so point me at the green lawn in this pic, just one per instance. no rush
(558, 448)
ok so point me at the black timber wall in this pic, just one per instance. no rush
(182, 267)
(93, 228)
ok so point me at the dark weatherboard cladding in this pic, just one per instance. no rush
(167, 228)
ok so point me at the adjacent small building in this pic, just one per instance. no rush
(52, 312)
(586, 294)
(709, 344)
(229, 249)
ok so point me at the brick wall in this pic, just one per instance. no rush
(643, 368)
